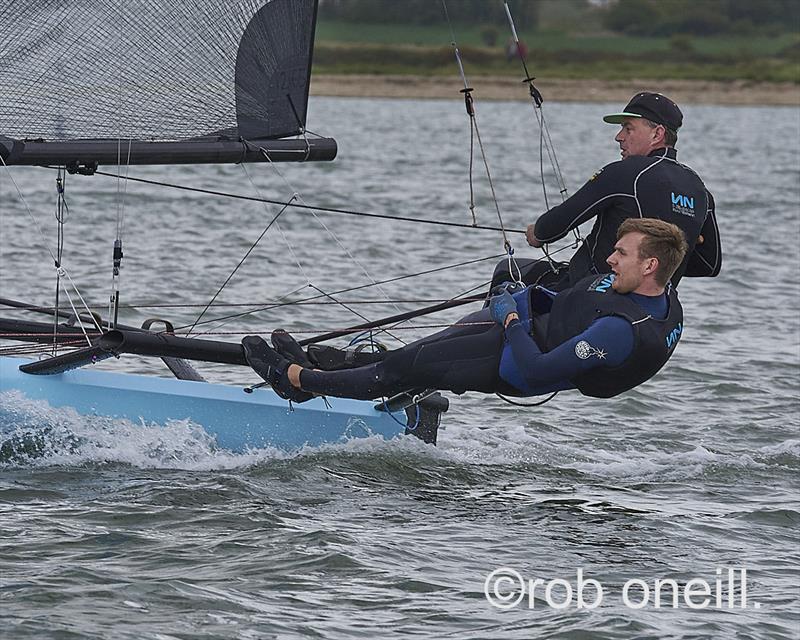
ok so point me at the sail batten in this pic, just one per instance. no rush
(155, 72)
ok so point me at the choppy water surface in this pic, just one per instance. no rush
(111, 529)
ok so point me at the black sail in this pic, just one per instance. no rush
(272, 81)
(90, 82)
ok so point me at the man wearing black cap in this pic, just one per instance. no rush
(647, 182)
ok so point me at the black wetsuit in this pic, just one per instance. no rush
(653, 186)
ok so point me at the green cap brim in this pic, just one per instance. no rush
(619, 118)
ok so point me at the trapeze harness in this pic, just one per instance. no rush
(593, 339)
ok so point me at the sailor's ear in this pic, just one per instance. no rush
(650, 266)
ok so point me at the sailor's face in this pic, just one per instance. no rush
(636, 137)
(626, 264)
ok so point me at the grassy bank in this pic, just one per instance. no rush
(547, 39)
(556, 89)
(348, 48)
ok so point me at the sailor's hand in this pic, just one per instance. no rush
(500, 306)
(530, 236)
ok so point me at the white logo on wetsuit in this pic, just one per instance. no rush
(584, 350)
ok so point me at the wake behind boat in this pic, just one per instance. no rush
(183, 83)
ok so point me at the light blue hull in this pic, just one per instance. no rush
(237, 420)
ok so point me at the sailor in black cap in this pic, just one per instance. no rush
(640, 121)
(647, 182)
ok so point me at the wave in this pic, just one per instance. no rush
(34, 434)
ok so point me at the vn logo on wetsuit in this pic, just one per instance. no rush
(603, 283)
(674, 336)
(682, 204)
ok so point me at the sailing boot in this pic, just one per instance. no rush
(289, 348)
(272, 367)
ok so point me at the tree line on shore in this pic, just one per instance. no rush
(702, 17)
(632, 17)
(428, 11)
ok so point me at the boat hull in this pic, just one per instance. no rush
(235, 419)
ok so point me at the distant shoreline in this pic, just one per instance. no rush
(555, 90)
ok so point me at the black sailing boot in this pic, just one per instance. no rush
(272, 367)
(288, 347)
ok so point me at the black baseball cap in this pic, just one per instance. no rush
(654, 107)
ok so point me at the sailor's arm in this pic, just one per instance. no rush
(705, 260)
(606, 343)
(587, 202)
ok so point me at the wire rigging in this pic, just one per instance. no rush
(117, 255)
(536, 102)
(469, 103)
(545, 141)
(330, 232)
(359, 314)
(122, 188)
(345, 290)
(278, 224)
(315, 208)
(240, 263)
(62, 210)
(473, 119)
(61, 271)
(314, 298)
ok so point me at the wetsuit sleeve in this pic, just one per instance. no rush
(590, 200)
(608, 343)
(705, 260)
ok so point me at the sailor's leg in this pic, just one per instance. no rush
(361, 383)
(464, 357)
(330, 358)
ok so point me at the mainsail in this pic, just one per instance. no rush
(88, 82)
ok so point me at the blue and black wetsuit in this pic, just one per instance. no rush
(615, 342)
(653, 186)
(543, 352)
